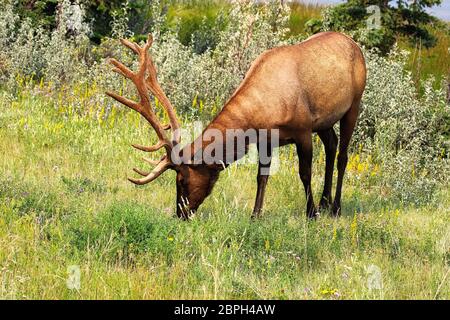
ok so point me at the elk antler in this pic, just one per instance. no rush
(144, 80)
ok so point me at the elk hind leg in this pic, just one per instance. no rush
(305, 153)
(330, 141)
(347, 125)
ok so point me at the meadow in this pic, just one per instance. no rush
(65, 201)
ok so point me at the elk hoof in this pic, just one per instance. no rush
(256, 215)
(336, 212)
(325, 204)
(313, 215)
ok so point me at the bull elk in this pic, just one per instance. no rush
(296, 90)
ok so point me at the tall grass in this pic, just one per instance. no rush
(301, 13)
(434, 61)
(64, 201)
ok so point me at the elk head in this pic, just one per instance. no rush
(194, 182)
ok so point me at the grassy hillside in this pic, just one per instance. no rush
(65, 200)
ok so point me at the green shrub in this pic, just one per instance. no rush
(406, 133)
(404, 19)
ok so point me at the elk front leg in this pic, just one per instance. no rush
(330, 141)
(304, 152)
(263, 176)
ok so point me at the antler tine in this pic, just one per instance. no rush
(135, 47)
(156, 147)
(173, 121)
(129, 103)
(160, 168)
(122, 69)
(131, 45)
(153, 162)
(142, 173)
(149, 42)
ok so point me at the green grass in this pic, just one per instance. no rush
(64, 201)
(435, 61)
(301, 13)
(188, 16)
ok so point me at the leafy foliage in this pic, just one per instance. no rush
(406, 18)
(406, 134)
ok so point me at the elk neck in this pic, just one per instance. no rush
(231, 118)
